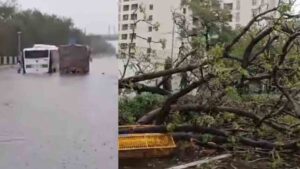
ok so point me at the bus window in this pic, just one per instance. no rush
(36, 54)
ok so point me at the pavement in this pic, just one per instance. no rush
(7, 66)
(59, 122)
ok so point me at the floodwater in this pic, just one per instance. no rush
(59, 122)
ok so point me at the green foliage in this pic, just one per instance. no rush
(171, 127)
(287, 119)
(207, 138)
(99, 45)
(209, 11)
(284, 8)
(217, 52)
(131, 109)
(212, 21)
(177, 118)
(233, 94)
(260, 98)
(277, 161)
(265, 131)
(233, 140)
(36, 28)
(206, 120)
(7, 8)
(227, 71)
(42, 28)
(224, 118)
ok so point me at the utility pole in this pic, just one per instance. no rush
(19, 43)
(173, 34)
(20, 60)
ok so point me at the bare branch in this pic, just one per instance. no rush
(158, 74)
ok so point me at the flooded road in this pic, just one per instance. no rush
(54, 122)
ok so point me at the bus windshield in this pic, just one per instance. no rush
(36, 54)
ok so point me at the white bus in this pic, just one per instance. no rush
(40, 59)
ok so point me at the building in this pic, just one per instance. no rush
(243, 10)
(153, 26)
(143, 22)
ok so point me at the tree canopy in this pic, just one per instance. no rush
(38, 27)
(245, 91)
(211, 21)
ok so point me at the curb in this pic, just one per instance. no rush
(7, 66)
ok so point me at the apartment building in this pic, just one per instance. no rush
(161, 12)
(153, 24)
(243, 10)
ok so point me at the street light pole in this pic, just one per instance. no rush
(19, 43)
(20, 60)
(173, 34)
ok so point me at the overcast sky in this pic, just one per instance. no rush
(93, 15)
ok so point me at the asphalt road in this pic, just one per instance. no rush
(55, 122)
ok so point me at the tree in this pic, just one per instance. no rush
(99, 45)
(220, 98)
(37, 28)
(211, 21)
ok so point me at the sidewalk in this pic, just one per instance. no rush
(8, 66)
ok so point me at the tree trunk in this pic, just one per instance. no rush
(167, 85)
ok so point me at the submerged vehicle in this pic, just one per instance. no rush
(74, 59)
(40, 59)
(54, 56)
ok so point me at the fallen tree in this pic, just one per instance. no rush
(188, 132)
(148, 118)
(244, 91)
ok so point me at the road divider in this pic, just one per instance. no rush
(8, 60)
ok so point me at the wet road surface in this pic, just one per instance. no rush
(54, 122)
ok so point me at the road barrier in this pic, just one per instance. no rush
(8, 60)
